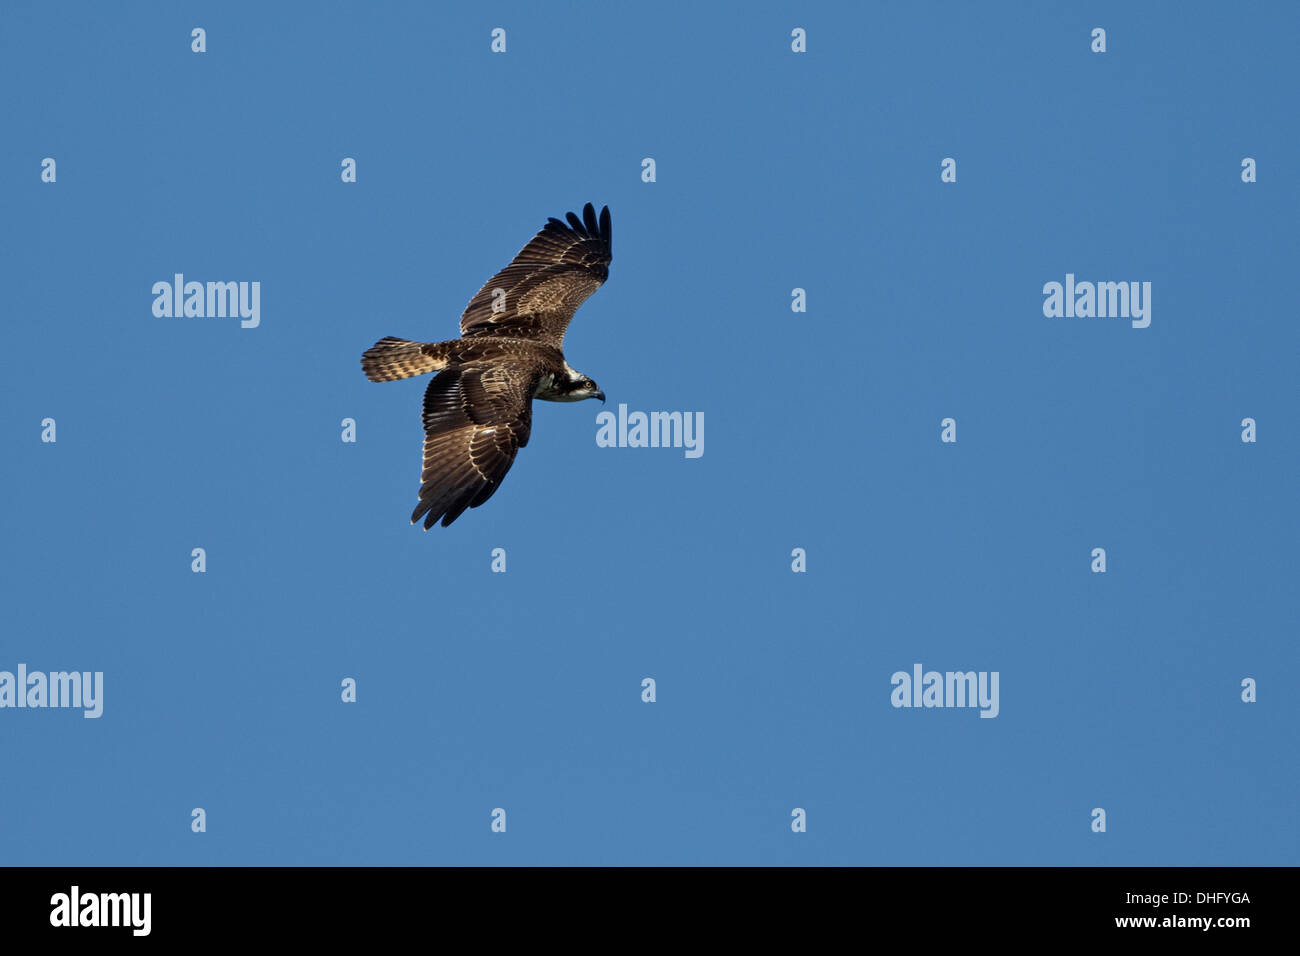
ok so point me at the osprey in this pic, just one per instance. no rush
(478, 408)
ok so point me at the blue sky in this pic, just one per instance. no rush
(522, 690)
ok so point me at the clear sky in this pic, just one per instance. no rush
(522, 690)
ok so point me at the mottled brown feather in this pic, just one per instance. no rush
(476, 418)
(547, 281)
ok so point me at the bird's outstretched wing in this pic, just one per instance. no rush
(536, 295)
(476, 417)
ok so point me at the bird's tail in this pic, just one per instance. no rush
(391, 358)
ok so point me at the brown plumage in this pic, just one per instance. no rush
(478, 408)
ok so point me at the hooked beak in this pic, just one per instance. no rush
(601, 396)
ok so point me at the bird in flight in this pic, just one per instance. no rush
(478, 409)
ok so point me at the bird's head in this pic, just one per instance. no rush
(586, 388)
(569, 386)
